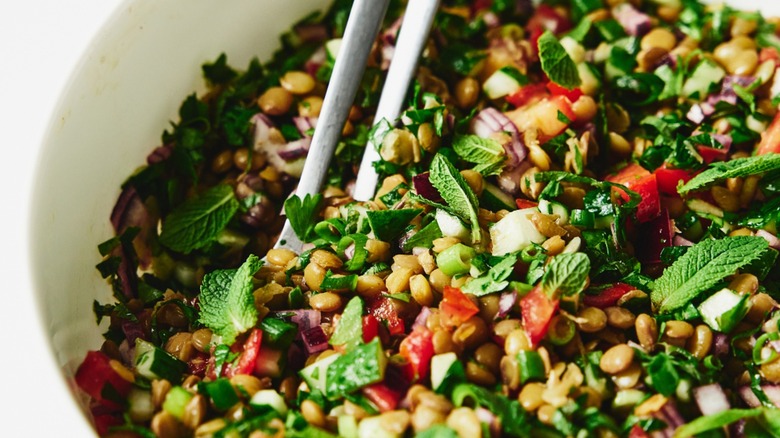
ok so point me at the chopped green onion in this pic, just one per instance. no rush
(561, 330)
(339, 282)
(176, 400)
(278, 333)
(221, 392)
(760, 343)
(456, 259)
(531, 366)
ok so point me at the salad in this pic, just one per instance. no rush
(575, 234)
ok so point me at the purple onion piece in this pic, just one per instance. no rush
(773, 241)
(422, 317)
(671, 416)
(314, 340)
(633, 21)
(132, 331)
(390, 35)
(305, 124)
(679, 240)
(697, 113)
(505, 303)
(387, 52)
(295, 149)
(305, 318)
(509, 179)
(349, 252)
(159, 154)
(720, 344)
(711, 399)
(489, 418)
(489, 121)
(423, 187)
(315, 61)
(771, 391)
(658, 235)
(491, 20)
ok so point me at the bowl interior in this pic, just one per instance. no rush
(119, 100)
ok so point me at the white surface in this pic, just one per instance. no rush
(40, 43)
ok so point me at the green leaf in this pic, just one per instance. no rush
(556, 63)
(456, 192)
(389, 224)
(349, 331)
(495, 280)
(227, 305)
(703, 266)
(478, 150)
(739, 167)
(302, 214)
(715, 421)
(197, 222)
(567, 274)
(423, 238)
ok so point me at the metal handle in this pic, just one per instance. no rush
(363, 24)
(415, 28)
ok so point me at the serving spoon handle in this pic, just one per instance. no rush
(363, 24)
(415, 27)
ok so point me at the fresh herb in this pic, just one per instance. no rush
(486, 153)
(494, 280)
(567, 274)
(222, 356)
(387, 225)
(702, 267)
(556, 63)
(302, 214)
(461, 200)
(738, 167)
(197, 223)
(339, 282)
(363, 365)
(227, 305)
(349, 331)
(717, 421)
(423, 238)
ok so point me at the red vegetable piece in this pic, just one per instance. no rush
(370, 328)
(657, 234)
(95, 372)
(524, 203)
(768, 53)
(637, 432)
(710, 154)
(668, 179)
(247, 360)
(382, 396)
(527, 94)
(770, 139)
(383, 310)
(557, 90)
(480, 5)
(103, 422)
(638, 179)
(607, 297)
(537, 309)
(417, 349)
(456, 307)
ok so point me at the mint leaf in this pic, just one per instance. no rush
(460, 199)
(227, 305)
(716, 421)
(423, 238)
(739, 167)
(302, 214)
(349, 331)
(566, 274)
(703, 266)
(494, 280)
(197, 222)
(486, 153)
(556, 63)
(389, 224)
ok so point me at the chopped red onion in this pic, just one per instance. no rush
(159, 154)
(133, 330)
(422, 317)
(727, 94)
(679, 240)
(671, 416)
(423, 187)
(491, 20)
(489, 418)
(773, 241)
(711, 399)
(305, 124)
(349, 252)
(305, 318)
(771, 391)
(294, 149)
(509, 179)
(505, 303)
(489, 121)
(315, 61)
(633, 21)
(314, 340)
(697, 114)
(720, 344)
(658, 235)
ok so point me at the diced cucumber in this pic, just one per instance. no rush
(706, 74)
(591, 84)
(221, 392)
(503, 82)
(176, 400)
(724, 310)
(348, 427)
(553, 207)
(514, 232)
(604, 222)
(155, 363)
(314, 374)
(495, 199)
(371, 427)
(332, 48)
(361, 366)
(582, 218)
(446, 372)
(626, 399)
(452, 226)
(140, 406)
(271, 399)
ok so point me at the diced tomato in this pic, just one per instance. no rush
(382, 396)
(637, 432)
(710, 154)
(557, 90)
(246, 362)
(103, 422)
(770, 139)
(545, 18)
(544, 117)
(480, 5)
(370, 328)
(768, 53)
(667, 179)
(456, 307)
(95, 373)
(657, 234)
(524, 203)
(537, 309)
(638, 179)
(607, 297)
(527, 94)
(383, 310)
(417, 349)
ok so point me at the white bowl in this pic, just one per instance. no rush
(124, 92)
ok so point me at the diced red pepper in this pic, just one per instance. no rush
(545, 18)
(770, 139)
(383, 310)
(557, 90)
(524, 203)
(95, 372)
(527, 94)
(710, 154)
(768, 53)
(370, 328)
(456, 307)
(607, 297)
(246, 362)
(638, 179)
(637, 432)
(103, 422)
(657, 234)
(417, 349)
(382, 396)
(667, 179)
(480, 5)
(537, 310)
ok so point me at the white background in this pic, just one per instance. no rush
(41, 42)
